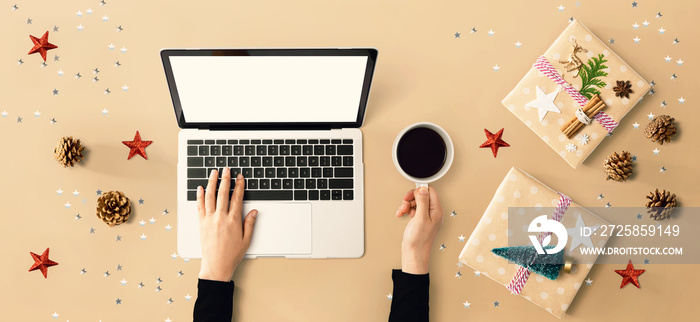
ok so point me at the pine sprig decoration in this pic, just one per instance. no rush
(590, 73)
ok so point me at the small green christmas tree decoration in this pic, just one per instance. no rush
(589, 74)
(547, 265)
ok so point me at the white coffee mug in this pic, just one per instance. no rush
(449, 153)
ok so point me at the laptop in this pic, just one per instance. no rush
(288, 120)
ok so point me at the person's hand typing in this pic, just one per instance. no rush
(224, 236)
(423, 207)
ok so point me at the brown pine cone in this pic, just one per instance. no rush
(618, 166)
(661, 129)
(113, 208)
(661, 204)
(68, 152)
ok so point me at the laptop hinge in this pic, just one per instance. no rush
(268, 128)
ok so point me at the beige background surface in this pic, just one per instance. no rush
(424, 73)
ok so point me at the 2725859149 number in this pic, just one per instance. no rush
(634, 230)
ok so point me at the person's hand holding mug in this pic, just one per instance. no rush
(422, 153)
(423, 207)
(224, 236)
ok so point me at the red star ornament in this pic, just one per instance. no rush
(42, 262)
(494, 141)
(630, 275)
(137, 146)
(41, 45)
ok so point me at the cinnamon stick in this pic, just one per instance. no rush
(590, 104)
(596, 109)
(592, 107)
(570, 131)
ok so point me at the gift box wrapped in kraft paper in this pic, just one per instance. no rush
(579, 72)
(507, 222)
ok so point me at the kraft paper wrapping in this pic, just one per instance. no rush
(549, 128)
(518, 189)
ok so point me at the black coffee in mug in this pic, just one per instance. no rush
(421, 152)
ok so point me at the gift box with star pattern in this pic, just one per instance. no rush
(517, 202)
(575, 69)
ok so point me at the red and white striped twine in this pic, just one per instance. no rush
(523, 273)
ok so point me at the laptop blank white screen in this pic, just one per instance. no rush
(241, 89)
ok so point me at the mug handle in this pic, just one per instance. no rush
(418, 185)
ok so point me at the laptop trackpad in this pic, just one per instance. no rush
(280, 228)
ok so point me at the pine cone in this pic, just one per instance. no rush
(113, 208)
(68, 152)
(661, 204)
(661, 129)
(618, 166)
(623, 89)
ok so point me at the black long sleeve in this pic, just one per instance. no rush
(214, 301)
(410, 299)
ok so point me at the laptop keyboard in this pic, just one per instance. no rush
(297, 169)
